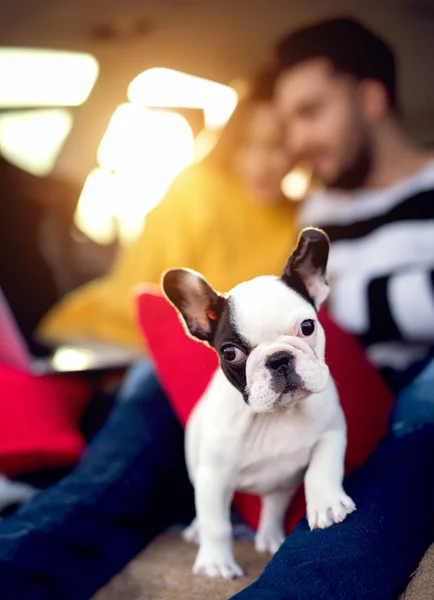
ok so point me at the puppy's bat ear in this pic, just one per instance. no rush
(199, 305)
(305, 270)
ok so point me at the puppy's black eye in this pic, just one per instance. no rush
(307, 327)
(232, 354)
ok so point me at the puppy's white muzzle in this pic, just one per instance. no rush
(282, 372)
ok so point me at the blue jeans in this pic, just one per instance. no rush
(130, 485)
(371, 555)
(414, 406)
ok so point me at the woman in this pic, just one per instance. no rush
(225, 217)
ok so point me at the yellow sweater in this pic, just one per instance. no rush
(205, 222)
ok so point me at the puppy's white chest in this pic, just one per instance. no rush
(258, 453)
(275, 451)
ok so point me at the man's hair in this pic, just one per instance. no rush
(348, 45)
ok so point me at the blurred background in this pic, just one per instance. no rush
(103, 103)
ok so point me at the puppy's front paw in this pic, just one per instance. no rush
(269, 540)
(216, 564)
(328, 506)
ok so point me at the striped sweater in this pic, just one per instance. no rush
(382, 269)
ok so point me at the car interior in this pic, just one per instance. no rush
(102, 104)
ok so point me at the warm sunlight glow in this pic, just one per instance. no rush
(116, 203)
(165, 87)
(295, 184)
(140, 154)
(31, 77)
(71, 359)
(32, 139)
(204, 143)
(134, 195)
(94, 215)
(146, 140)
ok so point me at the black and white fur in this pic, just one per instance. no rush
(271, 415)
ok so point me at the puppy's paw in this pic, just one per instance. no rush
(327, 507)
(216, 564)
(191, 533)
(269, 540)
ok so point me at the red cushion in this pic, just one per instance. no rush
(39, 419)
(185, 367)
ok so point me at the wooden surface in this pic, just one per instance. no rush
(163, 572)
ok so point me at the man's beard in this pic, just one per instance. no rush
(355, 174)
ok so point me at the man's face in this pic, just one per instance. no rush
(324, 121)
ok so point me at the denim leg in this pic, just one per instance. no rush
(414, 406)
(371, 555)
(139, 380)
(130, 484)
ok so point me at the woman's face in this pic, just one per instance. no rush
(260, 162)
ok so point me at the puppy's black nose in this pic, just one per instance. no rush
(280, 361)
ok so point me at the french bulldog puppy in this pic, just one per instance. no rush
(271, 415)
